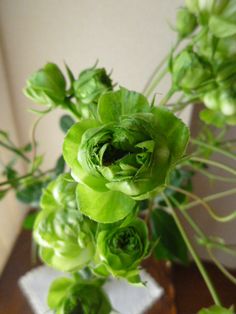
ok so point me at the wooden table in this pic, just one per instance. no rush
(190, 291)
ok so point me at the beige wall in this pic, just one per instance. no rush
(127, 36)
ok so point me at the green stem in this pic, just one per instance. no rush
(168, 95)
(211, 197)
(15, 150)
(211, 175)
(156, 77)
(224, 271)
(197, 260)
(211, 212)
(214, 163)
(25, 176)
(214, 148)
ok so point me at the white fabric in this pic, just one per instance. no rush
(126, 299)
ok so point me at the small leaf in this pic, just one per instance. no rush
(29, 221)
(60, 165)
(216, 309)
(27, 148)
(30, 194)
(4, 135)
(11, 174)
(66, 123)
(171, 245)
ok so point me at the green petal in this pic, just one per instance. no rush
(70, 152)
(113, 105)
(221, 27)
(57, 291)
(175, 131)
(106, 207)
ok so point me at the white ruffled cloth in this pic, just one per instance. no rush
(126, 299)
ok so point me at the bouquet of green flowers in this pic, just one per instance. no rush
(125, 174)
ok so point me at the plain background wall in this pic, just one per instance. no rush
(127, 36)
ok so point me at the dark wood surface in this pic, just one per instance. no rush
(190, 291)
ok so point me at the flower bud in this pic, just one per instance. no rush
(186, 22)
(189, 71)
(47, 86)
(91, 84)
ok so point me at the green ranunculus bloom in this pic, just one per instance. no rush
(70, 296)
(120, 249)
(91, 84)
(128, 153)
(189, 71)
(60, 194)
(47, 86)
(65, 238)
(186, 22)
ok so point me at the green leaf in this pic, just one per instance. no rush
(30, 194)
(29, 221)
(171, 245)
(27, 148)
(60, 166)
(112, 105)
(216, 309)
(4, 135)
(11, 174)
(104, 207)
(66, 122)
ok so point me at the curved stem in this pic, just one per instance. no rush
(212, 147)
(214, 163)
(16, 151)
(212, 176)
(218, 218)
(224, 271)
(211, 197)
(197, 260)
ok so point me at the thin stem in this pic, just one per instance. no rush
(211, 212)
(214, 163)
(168, 95)
(156, 77)
(212, 176)
(16, 151)
(33, 138)
(224, 271)
(25, 176)
(197, 260)
(214, 148)
(211, 197)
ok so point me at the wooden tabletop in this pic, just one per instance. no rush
(188, 289)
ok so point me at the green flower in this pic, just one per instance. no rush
(129, 153)
(221, 104)
(60, 194)
(70, 296)
(47, 86)
(189, 71)
(121, 249)
(91, 84)
(65, 239)
(186, 22)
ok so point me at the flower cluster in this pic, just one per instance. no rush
(120, 152)
(205, 69)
